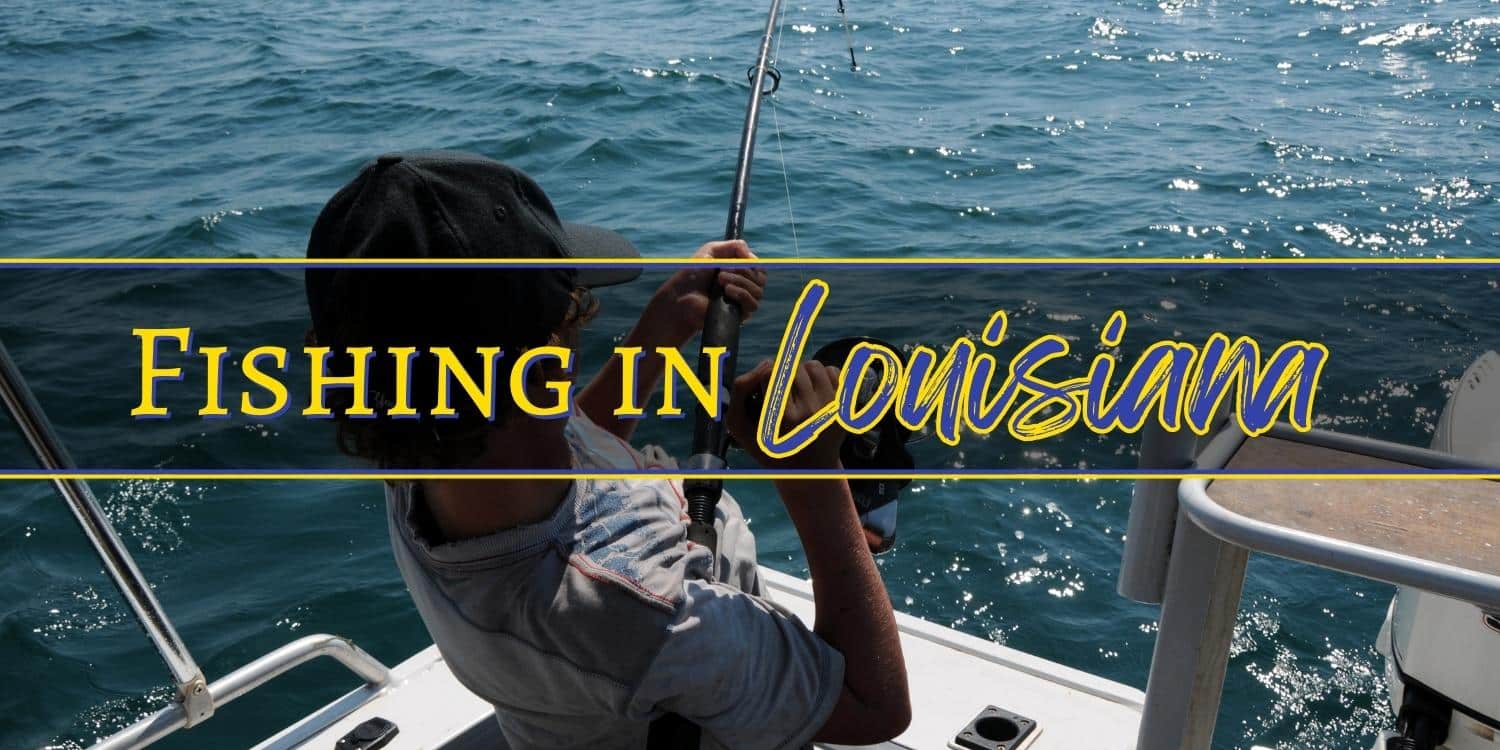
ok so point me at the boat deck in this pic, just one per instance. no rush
(953, 678)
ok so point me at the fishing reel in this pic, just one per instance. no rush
(882, 448)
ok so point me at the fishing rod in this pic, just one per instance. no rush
(721, 326)
(848, 36)
(883, 449)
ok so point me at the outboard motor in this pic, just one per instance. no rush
(1443, 655)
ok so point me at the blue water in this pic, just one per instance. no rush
(1178, 129)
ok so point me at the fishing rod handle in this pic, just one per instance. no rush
(721, 328)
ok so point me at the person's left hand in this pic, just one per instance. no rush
(679, 307)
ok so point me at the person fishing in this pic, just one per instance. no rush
(578, 607)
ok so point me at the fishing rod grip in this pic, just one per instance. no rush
(721, 328)
(721, 324)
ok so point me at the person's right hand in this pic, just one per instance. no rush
(815, 385)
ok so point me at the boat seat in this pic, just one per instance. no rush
(1394, 513)
(1447, 521)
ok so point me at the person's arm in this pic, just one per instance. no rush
(854, 613)
(674, 314)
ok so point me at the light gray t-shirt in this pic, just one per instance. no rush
(582, 628)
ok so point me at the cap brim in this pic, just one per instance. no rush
(585, 241)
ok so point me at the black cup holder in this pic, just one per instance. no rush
(995, 729)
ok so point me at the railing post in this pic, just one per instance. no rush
(1202, 596)
(1153, 514)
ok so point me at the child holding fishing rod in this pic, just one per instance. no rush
(577, 606)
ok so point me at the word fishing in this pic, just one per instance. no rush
(1178, 383)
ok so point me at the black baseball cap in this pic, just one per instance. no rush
(440, 205)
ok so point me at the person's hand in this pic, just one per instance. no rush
(678, 309)
(815, 386)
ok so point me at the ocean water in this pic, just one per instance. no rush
(1179, 129)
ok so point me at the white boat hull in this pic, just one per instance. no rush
(953, 677)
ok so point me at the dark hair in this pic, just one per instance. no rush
(424, 441)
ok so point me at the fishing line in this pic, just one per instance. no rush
(786, 182)
(786, 179)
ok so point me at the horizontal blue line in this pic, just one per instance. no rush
(918, 473)
(146, 264)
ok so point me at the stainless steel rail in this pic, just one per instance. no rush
(195, 698)
(1205, 573)
(192, 691)
(249, 677)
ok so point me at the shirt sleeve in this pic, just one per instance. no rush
(746, 671)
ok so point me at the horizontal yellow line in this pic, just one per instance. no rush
(596, 476)
(829, 261)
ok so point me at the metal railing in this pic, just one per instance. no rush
(51, 455)
(1189, 555)
(194, 699)
(249, 677)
